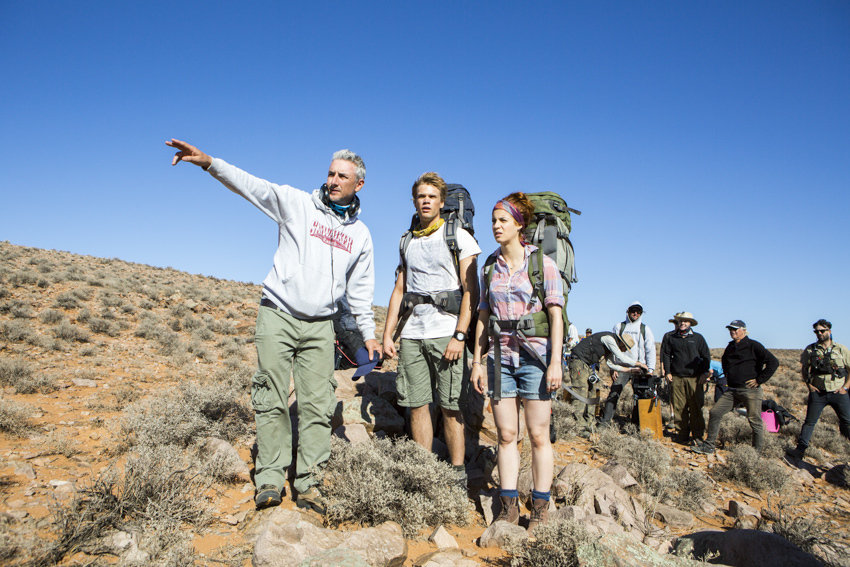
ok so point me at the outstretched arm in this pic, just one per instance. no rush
(188, 152)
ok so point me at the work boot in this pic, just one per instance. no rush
(267, 496)
(312, 499)
(510, 510)
(794, 456)
(703, 448)
(539, 513)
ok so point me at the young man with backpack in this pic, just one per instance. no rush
(642, 351)
(826, 373)
(432, 305)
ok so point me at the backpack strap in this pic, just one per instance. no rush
(450, 234)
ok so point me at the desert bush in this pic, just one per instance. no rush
(646, 459)
(146, 304)
(108, 299)
(50, 316)
(22, 310)
(736, 430)
(128, 309)
(103, 327)
(689, 489)
(23, 277)
(84, 316)
(744, 465)
(181, 415)
(156, 492)
(175, 324)
(70, 332)
(16, 331)
(565, 425)
(199, 351)
(555, 544)
(19, 375)
(60, 443)
(67, 300)
(88, 351)
(14, 418)
(810, 532)
(373, 482)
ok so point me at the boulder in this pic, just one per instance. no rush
(620, 474)
(354, 433)
(442, 539)
(490, 506)
(500, 533)
(287, 539)
(213, 448)
(740, 548)
(618, 550)
(673, 517)
(374, 413)
(445, 558)
(738, 509)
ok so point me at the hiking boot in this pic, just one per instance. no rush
(794, 456)
(267, 496)
(510, 510)
(460, 480)
(703, 449)
(539, 513)
(312, 499)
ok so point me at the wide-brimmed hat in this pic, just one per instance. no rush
(627, 340)
(685, 316)
(673, 319)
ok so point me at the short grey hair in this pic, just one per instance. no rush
(348, 155)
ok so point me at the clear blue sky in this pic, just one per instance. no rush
(707, 143)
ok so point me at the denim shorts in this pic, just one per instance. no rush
(528, 381)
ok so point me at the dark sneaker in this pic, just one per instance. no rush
(460, 480)
(539, 513)
(312, 499)
(267, 496)
(703, 449)
(510, 510)
(793, 456)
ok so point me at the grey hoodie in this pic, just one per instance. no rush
(320, 257)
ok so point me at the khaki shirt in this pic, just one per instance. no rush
(840, 356)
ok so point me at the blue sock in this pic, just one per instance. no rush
(541, 495)
(509, 493)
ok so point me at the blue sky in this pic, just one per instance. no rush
(707, 143)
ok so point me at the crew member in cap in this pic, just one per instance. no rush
(642, 351)
(616, 350)
(826, 373)
(686, 359)
(747, 365)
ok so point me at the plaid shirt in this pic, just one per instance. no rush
(512, 296)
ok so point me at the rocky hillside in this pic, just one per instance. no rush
(126, 434)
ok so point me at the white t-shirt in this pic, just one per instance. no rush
(430, 269)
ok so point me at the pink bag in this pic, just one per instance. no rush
(770, 423)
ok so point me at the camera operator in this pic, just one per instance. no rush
(615, 349)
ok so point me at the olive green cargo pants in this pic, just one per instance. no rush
(304, 348)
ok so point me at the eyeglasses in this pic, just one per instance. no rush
(820, 331)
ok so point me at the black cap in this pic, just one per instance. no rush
(736, 324)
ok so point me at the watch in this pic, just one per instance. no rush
(459, 335)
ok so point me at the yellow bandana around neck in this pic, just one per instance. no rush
(430, 230)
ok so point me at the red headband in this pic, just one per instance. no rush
(511, 209)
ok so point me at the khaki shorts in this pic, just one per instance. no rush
(424, 376)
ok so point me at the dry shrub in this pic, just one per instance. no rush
(70, 332)
(810, 532)
(745, 466)
(14, 418)
(179, 416)
(19, 375)
(691, 488)
(16, 332)
(156, 492)
(646, 459)
(565, 425)
(103, 327)
(374, 482)
(555, 544)
(50, 316)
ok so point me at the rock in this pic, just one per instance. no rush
(119, 541)
(500, 533)
(84, 382)
(620, 474)
(739, 509)
(229, 520)
(25, 469)
(213, 448)
(673, 517)
(746, 523)
(354, 433)
(803, 476)
(618, 550)
(839, 475)
(287, 539)
(490, 506)
(601, 525)
(576, 513)
(340, 557)
(375, 413)
(443, 539)
(745, 548)
(17, 514)
(444, 558)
